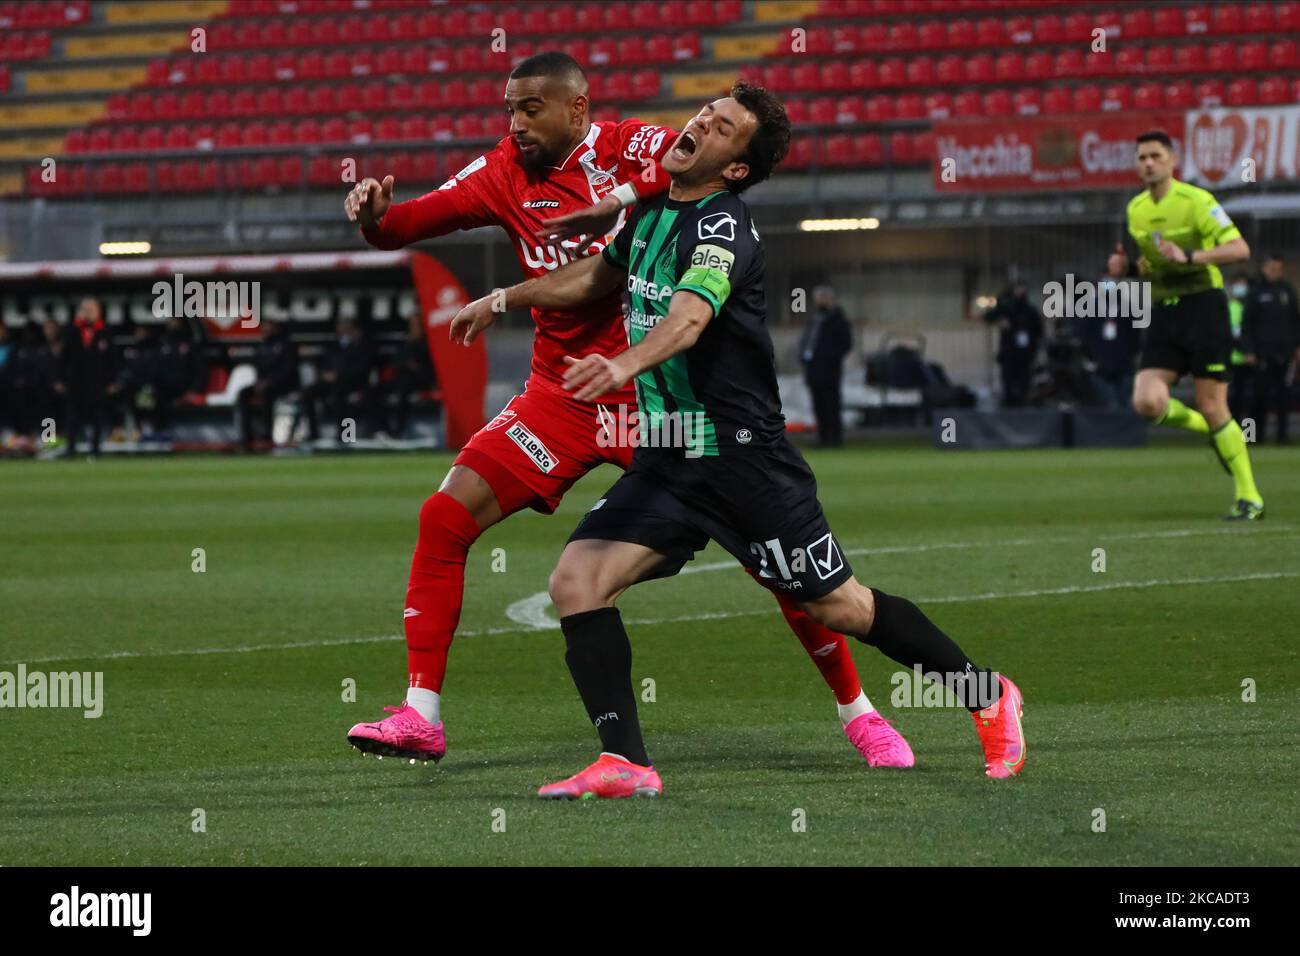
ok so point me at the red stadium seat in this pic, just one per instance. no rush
(1149, 96)
(1190, 58)
(990, 31)
(961, 33)
(967, 103)
(997, 103)
(866, 149)
(1057, 101)
(1087, 99)
(1130, 60)
(1222, 57)
(1167, 22)
(901, 150)
(1136, 24)
(1196, 20)
(873, 37)
(1228, 18)
(950, 70)
(1253, 56)
(1287, 17)
(821, 110)
(1027, 102)
(979, 68)
(880, 108)
(939, 105)
(920, 71)
(1069, 63)
(1160, 60)
(1009, 67)
(1179, 95)
(910, 106)
(892, 72)
(1038, 66)
(1243, 91)
(1049, 28)
(1117, 96)
(1077, 28)
(255, 134)
(931, 35)
(1274, 91)
(1208, 93)
(1284, 55)
(902, 36)
(1020, 30)
(1259, 18)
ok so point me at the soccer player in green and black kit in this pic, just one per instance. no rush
(1182, 236)
(692, 265)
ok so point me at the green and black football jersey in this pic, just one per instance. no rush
(725, 384)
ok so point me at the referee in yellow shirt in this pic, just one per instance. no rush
(1182, 236)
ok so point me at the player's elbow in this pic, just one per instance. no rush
(1242, 251)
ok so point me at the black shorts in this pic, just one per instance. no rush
(1193, 335)
(760, 504)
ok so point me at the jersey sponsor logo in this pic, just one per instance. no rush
(472, 167)
(645, 141)
(825, 556)
(640, 320)
(713, 257)
(541, 204)
(552, 257)
(532, 447)
(721, 225)
(648, 290)
(1220, 217)
(502, 417)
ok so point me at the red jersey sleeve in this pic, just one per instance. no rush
(459, 203)
(641, 146)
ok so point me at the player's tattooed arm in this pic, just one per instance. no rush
(595, 375)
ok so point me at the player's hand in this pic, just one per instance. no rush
(1172, 252)
(473, 319)
(595, 220)
(1117, 264)
(368, 201)
(593, 376)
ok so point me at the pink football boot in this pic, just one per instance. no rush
(879, 743)
(405, 735)
(607, 777)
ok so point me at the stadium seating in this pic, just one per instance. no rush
(331, 72)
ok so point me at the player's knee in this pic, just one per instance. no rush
(850, 609)
(572, 588)
(1148, 405)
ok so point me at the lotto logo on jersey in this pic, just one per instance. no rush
(713, 257)
(532, 447)
(648, 290)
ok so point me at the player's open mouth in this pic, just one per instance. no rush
(527, 149)
(685, 146)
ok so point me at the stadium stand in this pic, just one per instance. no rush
(283, 85)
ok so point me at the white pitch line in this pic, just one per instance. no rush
(707, 616)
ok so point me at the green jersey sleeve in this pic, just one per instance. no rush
(714, 251)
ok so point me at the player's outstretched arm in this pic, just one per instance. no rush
(595, 375)
(583, 280)
(1226, 253)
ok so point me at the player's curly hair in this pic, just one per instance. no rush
(771, 140)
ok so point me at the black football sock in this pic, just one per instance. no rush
(902, 632)
(599, 656)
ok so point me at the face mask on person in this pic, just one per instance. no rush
(1239, 290)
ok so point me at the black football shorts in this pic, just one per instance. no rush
(1191, 336)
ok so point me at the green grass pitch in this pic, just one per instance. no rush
(224, 690)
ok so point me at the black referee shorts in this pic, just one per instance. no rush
(1192, 335)
(760, 504)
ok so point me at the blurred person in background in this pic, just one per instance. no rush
(827, 339)
(1241, 388)
(181, 372)
(8, 385)
(276, 363)
(87, 375)
(135, 381)
(343, 382)
(1270, 341)
(412, 375)
(1021, 328)
(1111, 344)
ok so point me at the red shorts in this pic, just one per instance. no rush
(540, 444)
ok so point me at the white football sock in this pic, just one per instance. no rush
(428, 703)
(859, 706)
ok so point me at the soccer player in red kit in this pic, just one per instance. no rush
(555, 170)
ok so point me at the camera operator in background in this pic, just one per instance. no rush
(1021, 328)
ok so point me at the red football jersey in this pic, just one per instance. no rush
(497, 189)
